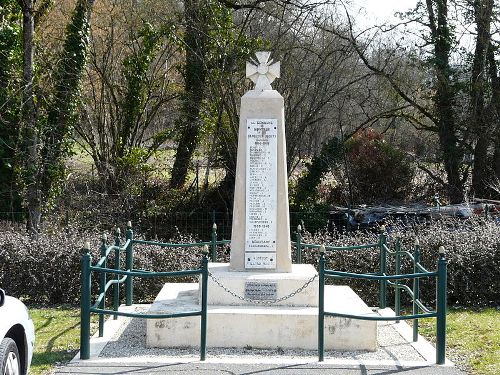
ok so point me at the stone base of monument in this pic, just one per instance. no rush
(237, 324)
(262, 285)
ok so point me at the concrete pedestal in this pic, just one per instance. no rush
(286, 283)
(261, 326)
(260, 265)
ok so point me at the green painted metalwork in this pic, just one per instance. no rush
(126, 277)
(129, 265)
(383, 270)
(321, 306)
(101, 296)
(139, 273)
(341, 248)
(85, 305)
(204, 301)
(116, 291)
(416, 289)
(441, 308)
(214, 243)
(397, 290)
(394, 281)
(108, 251)
(367, 276)
(102, 286)
(381, 318)
(401, 286)
(145, 316)
(298, 244)
(387, 250)
(167, 244)
(421, 306)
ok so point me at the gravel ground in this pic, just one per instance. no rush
(130, 341)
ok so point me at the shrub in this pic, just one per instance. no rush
(472, 249)
(47, 270)
(378, 171)
(43, 270)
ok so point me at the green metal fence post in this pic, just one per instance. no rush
(102, 285)
(321, 305)
(116, 297)
(299, 245)
(383, 269)
(85, 304)
(441, 308)
(416, 288)
(214, 243)
(204, 290)
(437, 202)
(129, 265)
(397, 291)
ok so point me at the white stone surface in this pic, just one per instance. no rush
(267, 104)
(286, 284)
(263, 71)
(260, 327)
(261, 193)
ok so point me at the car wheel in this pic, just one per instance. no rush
(9, 358)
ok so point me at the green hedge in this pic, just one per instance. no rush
(472, 249)
(47, 270)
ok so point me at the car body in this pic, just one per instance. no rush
(17, 336)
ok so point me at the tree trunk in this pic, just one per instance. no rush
(195, 40)
(480, 174)
(444, 99)
(68, 73)
(38, 163)
(495, 111)
(29, 133)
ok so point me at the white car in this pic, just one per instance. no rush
(17, 336)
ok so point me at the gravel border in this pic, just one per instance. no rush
(130, 341)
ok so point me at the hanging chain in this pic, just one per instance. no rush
(258, 301)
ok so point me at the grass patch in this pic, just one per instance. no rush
(57, 337)
(472, 337)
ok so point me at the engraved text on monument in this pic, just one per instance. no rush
(261, 193)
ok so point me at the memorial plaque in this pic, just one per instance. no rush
(261, 193)
(261, 290)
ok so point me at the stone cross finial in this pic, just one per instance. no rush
(263, 71)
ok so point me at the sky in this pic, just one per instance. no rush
(377, 11)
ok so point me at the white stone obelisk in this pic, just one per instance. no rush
(261, 226)
(260, 299)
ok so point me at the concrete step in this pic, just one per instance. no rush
(282, 283)
(260, 326)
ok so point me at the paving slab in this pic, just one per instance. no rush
(247, 369)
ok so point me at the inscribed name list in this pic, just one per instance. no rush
(261, 193)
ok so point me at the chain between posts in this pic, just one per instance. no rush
(262, 302)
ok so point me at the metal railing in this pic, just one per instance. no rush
(419, 310)
(126, 277)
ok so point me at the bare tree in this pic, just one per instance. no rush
(43, 136)
(129, 104)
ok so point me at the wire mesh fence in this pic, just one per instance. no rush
(199, 224)
(11, 216)
(169, 225)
